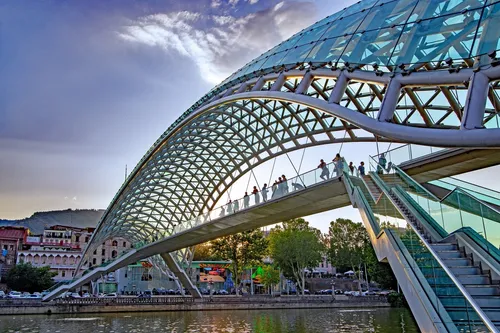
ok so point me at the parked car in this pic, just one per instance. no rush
(86, 295)
(111, 295)
(307, 292)
(14, 294)
(223, 292)
(75, 295)
(25, 295)
(33, 296)
(2, 294)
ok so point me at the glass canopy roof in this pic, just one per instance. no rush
(391, 33)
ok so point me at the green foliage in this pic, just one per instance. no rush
(245, 249)
(25, 277)
(350, 248)
(294, 247)
(270, 276)
(203, 252)
(397, 300)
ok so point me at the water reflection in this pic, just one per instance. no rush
(258, 321)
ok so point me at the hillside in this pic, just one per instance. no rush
(80, 218)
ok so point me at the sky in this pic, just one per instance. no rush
(87, 86)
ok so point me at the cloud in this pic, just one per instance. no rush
(219, 45)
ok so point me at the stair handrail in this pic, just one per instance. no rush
(457, 283)
(464, 192)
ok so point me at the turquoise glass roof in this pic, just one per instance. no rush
(390, 33)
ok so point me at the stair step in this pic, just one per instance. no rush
(482, 301)
(465, 270)
(444, 247)
(470, 314)
(451, 262)
(482, 290)
(464, 279)
(449, 254)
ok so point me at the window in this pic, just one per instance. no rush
(63, 273)
(86, 239)
(77, 238)
(124, 244)
(103, 252)
(95, 251)
(114, 243)
(102, 261)
(114, 254)
(94, 261)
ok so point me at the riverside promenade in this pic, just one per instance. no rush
(129, 304)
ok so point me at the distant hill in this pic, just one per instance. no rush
(80, 218)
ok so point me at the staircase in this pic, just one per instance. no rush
(478, 283)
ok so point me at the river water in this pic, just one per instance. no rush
(259, 321)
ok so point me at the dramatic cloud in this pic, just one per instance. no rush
(219, 45)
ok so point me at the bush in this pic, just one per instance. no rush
(25, 277)
(397, 300)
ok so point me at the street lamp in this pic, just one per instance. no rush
(333, 289)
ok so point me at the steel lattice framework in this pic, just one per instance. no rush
(401, 71)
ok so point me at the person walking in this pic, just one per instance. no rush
(351, 168)
(256, 195)
(274, 189)
(325, 174)
(264, 192)
(222, 212)
(382, 161)
(339, 165)
(236, 206)
(361, 168)
(230, 207)
(246, 200)
(280, 187)
(285, 184)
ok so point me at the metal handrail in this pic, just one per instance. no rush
(457, 283)
(465, 192)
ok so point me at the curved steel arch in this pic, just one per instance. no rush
(450, 104)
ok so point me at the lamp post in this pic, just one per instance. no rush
(333, 289)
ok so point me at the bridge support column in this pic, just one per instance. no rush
(174, 267)
(476, 102)
(390, 101)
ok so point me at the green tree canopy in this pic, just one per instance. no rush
(25, 277)
(350, 249)
(245, 249)
(295, 246)
(203, 252)
(270, 276)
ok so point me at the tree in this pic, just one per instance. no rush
(25, 277)
(350, 248)
(270, 276)
(243, 249)
(294, 247)
(203, 252)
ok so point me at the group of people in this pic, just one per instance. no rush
(339, 168)
(280, 186)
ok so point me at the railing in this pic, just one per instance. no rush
(378, 216)
(482, 193)
(406, 153)
(264, 195)
(123, 300)
(439, 276)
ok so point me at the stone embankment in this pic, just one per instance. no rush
(128, 304)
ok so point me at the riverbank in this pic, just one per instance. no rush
(117, 305)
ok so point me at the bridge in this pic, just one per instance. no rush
(419, 72)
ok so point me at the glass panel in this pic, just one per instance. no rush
(434, 8)
(297, 54)
(328, 50)
(374, 46)
(312, 35)
(489, 32)
(274, 59)
(438, 39)
(345, 26)
(388, 14)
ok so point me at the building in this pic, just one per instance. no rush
(61, 248)
(11, 241)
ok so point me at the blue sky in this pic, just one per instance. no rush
(88, 86)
